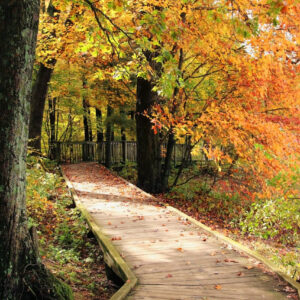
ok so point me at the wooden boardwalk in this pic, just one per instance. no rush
(172, 258)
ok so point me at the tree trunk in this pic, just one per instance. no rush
(85, 120)
(22, 276)
(38, 100)
(87, 123)
(39, 93)
(100, 136)
(99, 126)
(148, 144)
(108, 134)
(167, 164)
(123, 138)
(87, 150)
(52, 113)
(90, 124)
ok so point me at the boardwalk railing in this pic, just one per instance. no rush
(121, 151)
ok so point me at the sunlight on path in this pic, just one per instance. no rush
(171, 258)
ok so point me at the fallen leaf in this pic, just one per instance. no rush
(288, 289)
(180, 249)
(218, 287)
(169, 275)
(230, 260)
(240, 274)
(249, 267)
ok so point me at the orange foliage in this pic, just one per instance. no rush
(226, 71)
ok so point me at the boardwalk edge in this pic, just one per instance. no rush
(239, 247)
(111, 255)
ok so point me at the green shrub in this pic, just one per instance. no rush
(129, 172)
(187, 191)
(276, 218)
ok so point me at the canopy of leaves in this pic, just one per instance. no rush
(227, 73)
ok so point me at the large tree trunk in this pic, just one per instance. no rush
(22, 276)
(148, 144)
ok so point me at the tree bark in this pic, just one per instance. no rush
(88, 134)
(99, 126)
(86, 121)
(52, 114)
(148, 144)
(22, 276)
(168, 160)
(123, 138)
(108, 148)
(39, 93)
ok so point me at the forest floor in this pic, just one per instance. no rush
(67, 247)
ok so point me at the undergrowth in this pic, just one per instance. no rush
(65, 247)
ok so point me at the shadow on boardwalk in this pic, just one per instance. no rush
(172, 258)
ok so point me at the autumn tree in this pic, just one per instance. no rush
(217, 75)
(205, 71)
(54, 33)
(40, 88)
(22, 275)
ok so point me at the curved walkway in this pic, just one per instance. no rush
(172, 258)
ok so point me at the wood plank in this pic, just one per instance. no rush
(207, 292)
